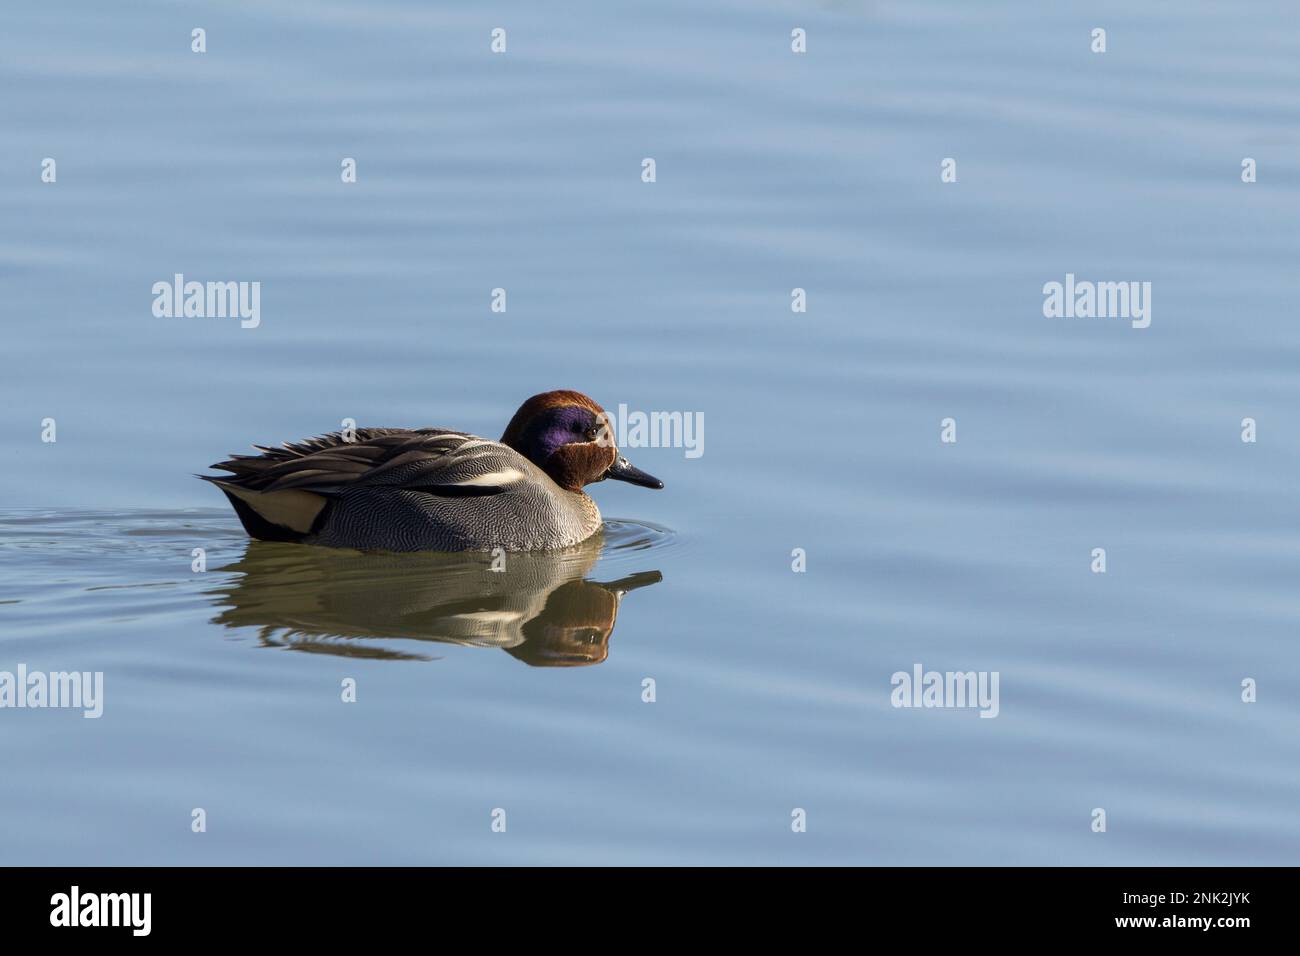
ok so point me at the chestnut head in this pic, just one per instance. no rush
(568, 436)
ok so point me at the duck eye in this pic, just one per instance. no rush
(592, 433)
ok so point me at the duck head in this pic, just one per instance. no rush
(568, 436)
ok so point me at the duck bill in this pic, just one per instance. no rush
(624, 470)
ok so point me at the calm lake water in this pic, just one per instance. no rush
(774, 171)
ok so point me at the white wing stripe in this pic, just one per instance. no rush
(505, 476)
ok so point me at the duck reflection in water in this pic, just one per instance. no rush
(538, 607)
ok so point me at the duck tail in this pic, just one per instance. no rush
(274, 516)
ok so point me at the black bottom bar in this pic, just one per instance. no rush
(335, 905)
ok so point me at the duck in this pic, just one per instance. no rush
(435, 489)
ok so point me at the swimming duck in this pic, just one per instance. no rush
(433, 489)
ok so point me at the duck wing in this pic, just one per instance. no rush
(432, 460)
